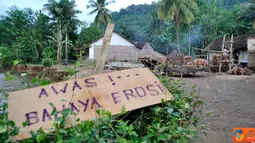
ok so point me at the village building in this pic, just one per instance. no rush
(242, 46)
(148, 51)
(120, 49)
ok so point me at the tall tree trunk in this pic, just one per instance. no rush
(59, 52)
(180, 48)
(66, 39)
(189, 41)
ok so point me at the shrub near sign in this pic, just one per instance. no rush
(133, 88)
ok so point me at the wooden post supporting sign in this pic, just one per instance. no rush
(104, 49)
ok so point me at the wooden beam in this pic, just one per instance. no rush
(104, 49)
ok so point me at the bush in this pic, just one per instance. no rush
(169, 122)
(47, 62)
(6, 57)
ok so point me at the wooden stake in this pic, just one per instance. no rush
(104, 49)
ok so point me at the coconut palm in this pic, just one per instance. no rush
(102, 13)
(179, 11)
(63, 14)
(56, 14)
(69, 20)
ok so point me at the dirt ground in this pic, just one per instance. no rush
(229, 102)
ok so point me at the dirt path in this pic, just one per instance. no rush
(230, 101)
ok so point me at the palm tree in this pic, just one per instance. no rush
(63, 14)
(56, 13)
(179, 11)
(103, 14)
(69, 19)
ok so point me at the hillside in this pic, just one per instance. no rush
(134, 23)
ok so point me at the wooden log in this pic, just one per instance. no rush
(105, 46)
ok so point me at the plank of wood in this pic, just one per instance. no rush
(133, 89)
(105, 46)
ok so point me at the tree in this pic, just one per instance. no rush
(63, 14)
(56, 13)
(103, 14)
(247, 12)
(88, 35)
(69, 18)
(179, 11)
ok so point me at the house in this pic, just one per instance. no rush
(120, 49)
(148, 51)
(240, 48)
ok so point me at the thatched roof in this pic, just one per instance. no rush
(240, 42)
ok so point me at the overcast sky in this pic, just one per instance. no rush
(81, 5)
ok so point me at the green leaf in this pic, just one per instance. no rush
(54, 112)
(16, 62)
(35, 80)
(123, 110)
(162, 137)
(11, 123)
(24, 124)
(9, 77)
(51, 104)
(63, 131)
(63, 100)
(177, 114)
(98, 111)
(44, 82)
(182, 140)
(41, 137)
(77, 64)
(3, 128)
(170, 110)
(71, 71)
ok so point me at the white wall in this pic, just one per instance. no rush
(243, 55)
(115, 40)
(251, 44)
(91, 52)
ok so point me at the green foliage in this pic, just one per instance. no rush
(6, 56)
(102, 13)
(47, 62)
(88, 35)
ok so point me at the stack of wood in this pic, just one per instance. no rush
(216, 59)
(201, 62)
(240, 71)
(188, 61)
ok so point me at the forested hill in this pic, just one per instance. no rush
(133, 22)
(136, 23)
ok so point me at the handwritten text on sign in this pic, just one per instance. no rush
(133, 88)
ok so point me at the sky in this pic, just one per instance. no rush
(81, 5)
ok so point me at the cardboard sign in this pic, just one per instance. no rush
(133, 88)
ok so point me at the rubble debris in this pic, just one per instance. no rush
(123, 65)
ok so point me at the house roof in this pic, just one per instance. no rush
(134, 43)
(240, 42)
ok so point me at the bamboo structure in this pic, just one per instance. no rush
(227, 47)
